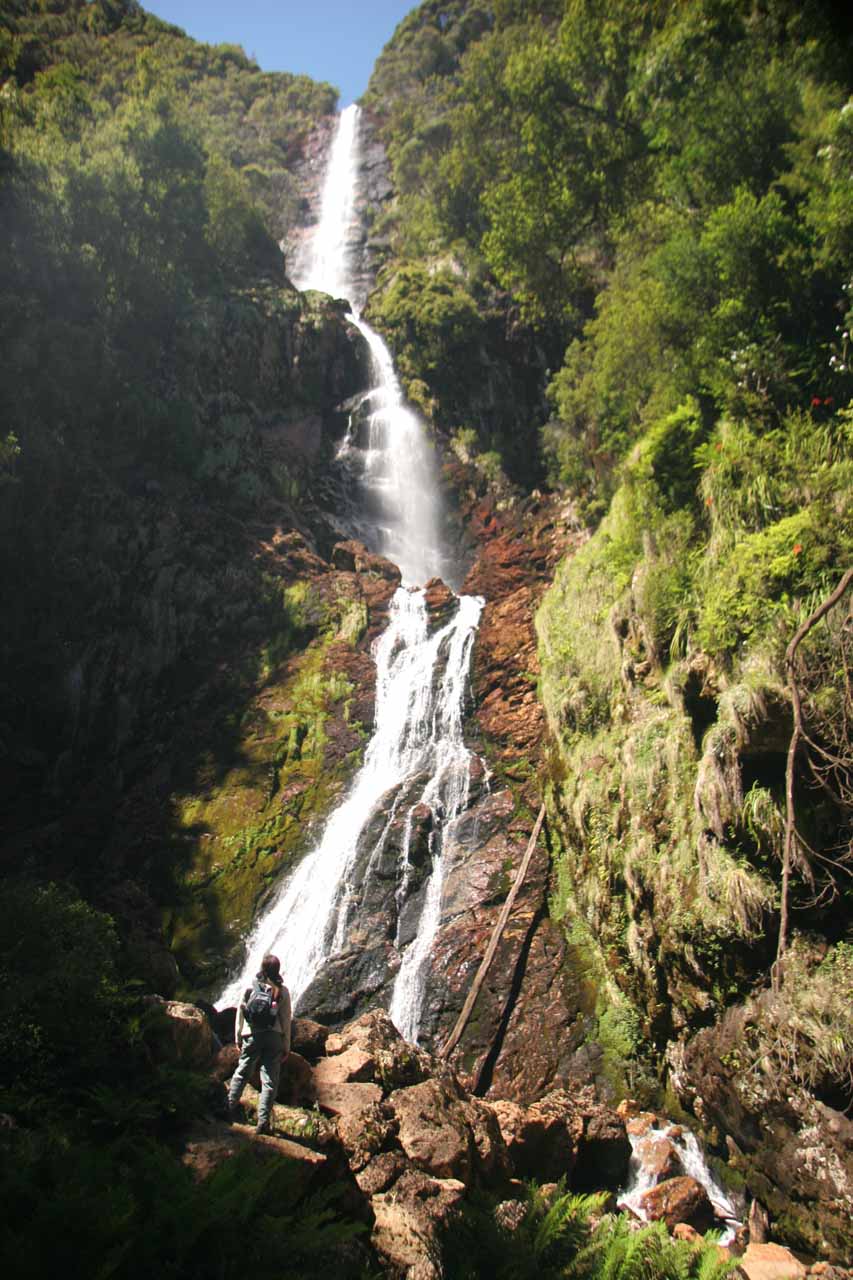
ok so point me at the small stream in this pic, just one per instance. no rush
(693, 1165)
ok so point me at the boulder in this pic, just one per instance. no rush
(308, 1038)
(542, 1140)
(639, 1124)
(604, 1150)
(209, 1146)
(225, 1063)
(346, 1099)
(409, 1220)
(296, 1082)
(770, 1262)
(192, 1041)
(351, 1066)
(658, 1158)
(440, 601)
(433, 1129)
(354, 557)
(381, 1172)
(679, 1200)
(298, 1123)
(491, 1158)
(370, 1033)
(364, 1133)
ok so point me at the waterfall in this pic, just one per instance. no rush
(417, 756)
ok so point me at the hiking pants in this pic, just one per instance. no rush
(266, 1047)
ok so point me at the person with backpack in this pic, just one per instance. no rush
(263, 1035)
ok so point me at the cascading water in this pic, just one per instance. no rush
(417, 756)
(689, 1154)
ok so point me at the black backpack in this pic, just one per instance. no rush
(260, 1006)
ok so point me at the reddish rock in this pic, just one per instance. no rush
(542, 1140)
(658, 1157)
(225, 1063)
(364, 1133)
(351, 1066)
(491, 1158)
(210, 1146)
(308, 1038)
(641, 1123)
(681, 1231)
(770, 1262)
(679, 1200)
(296, 1082)
(381, 1172)
(433, 1129)
(347, 1099)
(409, 1220)
(440, 601)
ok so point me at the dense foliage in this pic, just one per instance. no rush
(557, 1235)
(661, 186)
(144, 182)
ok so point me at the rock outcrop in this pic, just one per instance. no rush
(794, 1153)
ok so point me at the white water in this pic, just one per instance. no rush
(421, 678)
(641, 1180)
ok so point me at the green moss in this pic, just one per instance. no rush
(246, 820)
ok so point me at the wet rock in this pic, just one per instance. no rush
(796, 1152)
(679, 1200)
(409, 1221)
(659, 1158)
(351, 981)
(440, 602)
(770, 1262)
(641, 1123)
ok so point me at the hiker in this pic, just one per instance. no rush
(263, 1035)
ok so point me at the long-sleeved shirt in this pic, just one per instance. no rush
(282, 1023)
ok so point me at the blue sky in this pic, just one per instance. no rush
(334, 40)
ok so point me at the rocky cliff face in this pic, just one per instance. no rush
(175, 621)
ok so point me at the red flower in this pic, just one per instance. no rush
(816, 402)
(829, 401)
(797, 548)
(708, 501)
